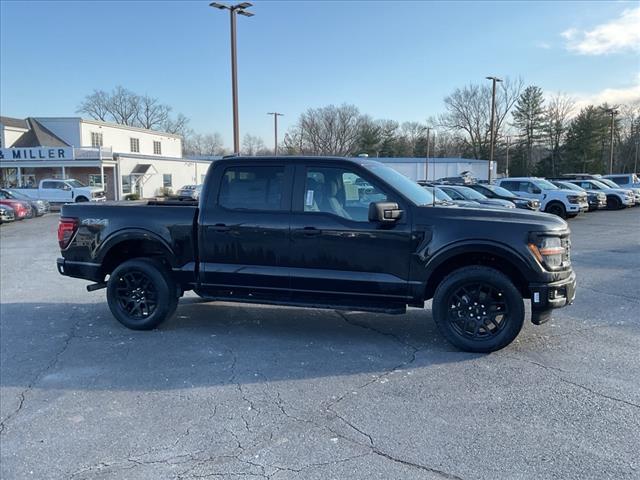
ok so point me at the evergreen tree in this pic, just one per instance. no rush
(528, 118)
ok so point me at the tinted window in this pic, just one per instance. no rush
(510, 185)
(620, 180)
(252, 188)
(52, 185)
(340, 192)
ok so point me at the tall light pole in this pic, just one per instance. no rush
(275, 130)
(233, 10)
(493, 121)
(635, 163)
(613, 112)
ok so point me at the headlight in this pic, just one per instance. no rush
(573, 198)
(551, 252)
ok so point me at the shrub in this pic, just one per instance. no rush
(132, 196)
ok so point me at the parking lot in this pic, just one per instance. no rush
(235, 391)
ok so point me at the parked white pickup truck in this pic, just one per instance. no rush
(564, 203)
(54, 190)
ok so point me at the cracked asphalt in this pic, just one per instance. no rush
(233, 391)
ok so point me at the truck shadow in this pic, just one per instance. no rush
(81, 346)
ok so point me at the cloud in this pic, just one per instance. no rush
(612, 96)
(618, 35)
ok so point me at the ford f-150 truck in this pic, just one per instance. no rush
(301, 231)
(54, 190)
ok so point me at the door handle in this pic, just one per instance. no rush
(310, 231)
(218, 227)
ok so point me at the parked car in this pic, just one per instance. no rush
(616, 197)
(459, 192)
(190, 192)
(40, 207)
(443, 199)
(634, 191)
(7, 214)
(494, 191)
(597, 200)
(624, 180)
(292, 231)
(21, 209)
(561, 202)
(54, 190)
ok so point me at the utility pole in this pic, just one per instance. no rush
(635, 163)
(233, 10)
(426, 165)
(613, 112)
(493, 121)
(275, 130)
(506, 172)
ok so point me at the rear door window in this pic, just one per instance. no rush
(252, 188)
(510, 185)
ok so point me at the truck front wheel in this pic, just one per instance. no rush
(141, 294)
(478, 309)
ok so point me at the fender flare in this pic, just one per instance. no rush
(440, 257)
(117, 237)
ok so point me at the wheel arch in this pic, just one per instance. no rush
(132, 244)
(490, 255)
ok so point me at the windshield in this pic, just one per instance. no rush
(570, 186)
(601, 184)
(608, 183)
(470, 193)
(75, 183)
(12, 194)
(503, 192)
(414, 192)
(545, 185)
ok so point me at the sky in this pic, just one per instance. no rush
(393, 60)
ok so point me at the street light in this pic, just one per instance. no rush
(493, 115)
(275, 130)
(613, 112)
(233, 10)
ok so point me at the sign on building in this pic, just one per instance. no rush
(36, 153)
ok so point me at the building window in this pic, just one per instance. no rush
(126, 184)
(166, 180)
(135, 145)
(96, 139)
(96, 181)
(157, 148)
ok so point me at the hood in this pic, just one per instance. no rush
(511, 218)
(567, 191)
(498, 202)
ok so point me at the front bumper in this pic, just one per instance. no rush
(86, 270)
(98, 199)
(547, 296)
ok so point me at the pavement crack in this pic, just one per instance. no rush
(416, 465)
(52, 363)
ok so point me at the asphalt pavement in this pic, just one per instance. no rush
(234, 391)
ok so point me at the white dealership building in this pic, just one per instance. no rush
(121, 158)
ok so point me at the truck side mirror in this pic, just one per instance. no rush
(536, 190)
(384, 212)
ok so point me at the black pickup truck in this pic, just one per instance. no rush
(324, 233)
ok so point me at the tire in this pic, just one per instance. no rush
(81, 199)
(556, 208)
(613, 203)
(141, 294)
(471, 287)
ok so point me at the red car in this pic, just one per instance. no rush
(21, 209)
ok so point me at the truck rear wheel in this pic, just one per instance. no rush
(141, 294)
(478, 309)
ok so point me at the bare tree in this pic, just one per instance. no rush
(251, 144)
(330, 130)
(468, 110)
(557, 115)
(151, 113)
(207, 144)
(95, 105)
(125, 107)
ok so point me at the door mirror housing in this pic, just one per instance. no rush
(66, 187)
(384, 212)
(536, 190)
